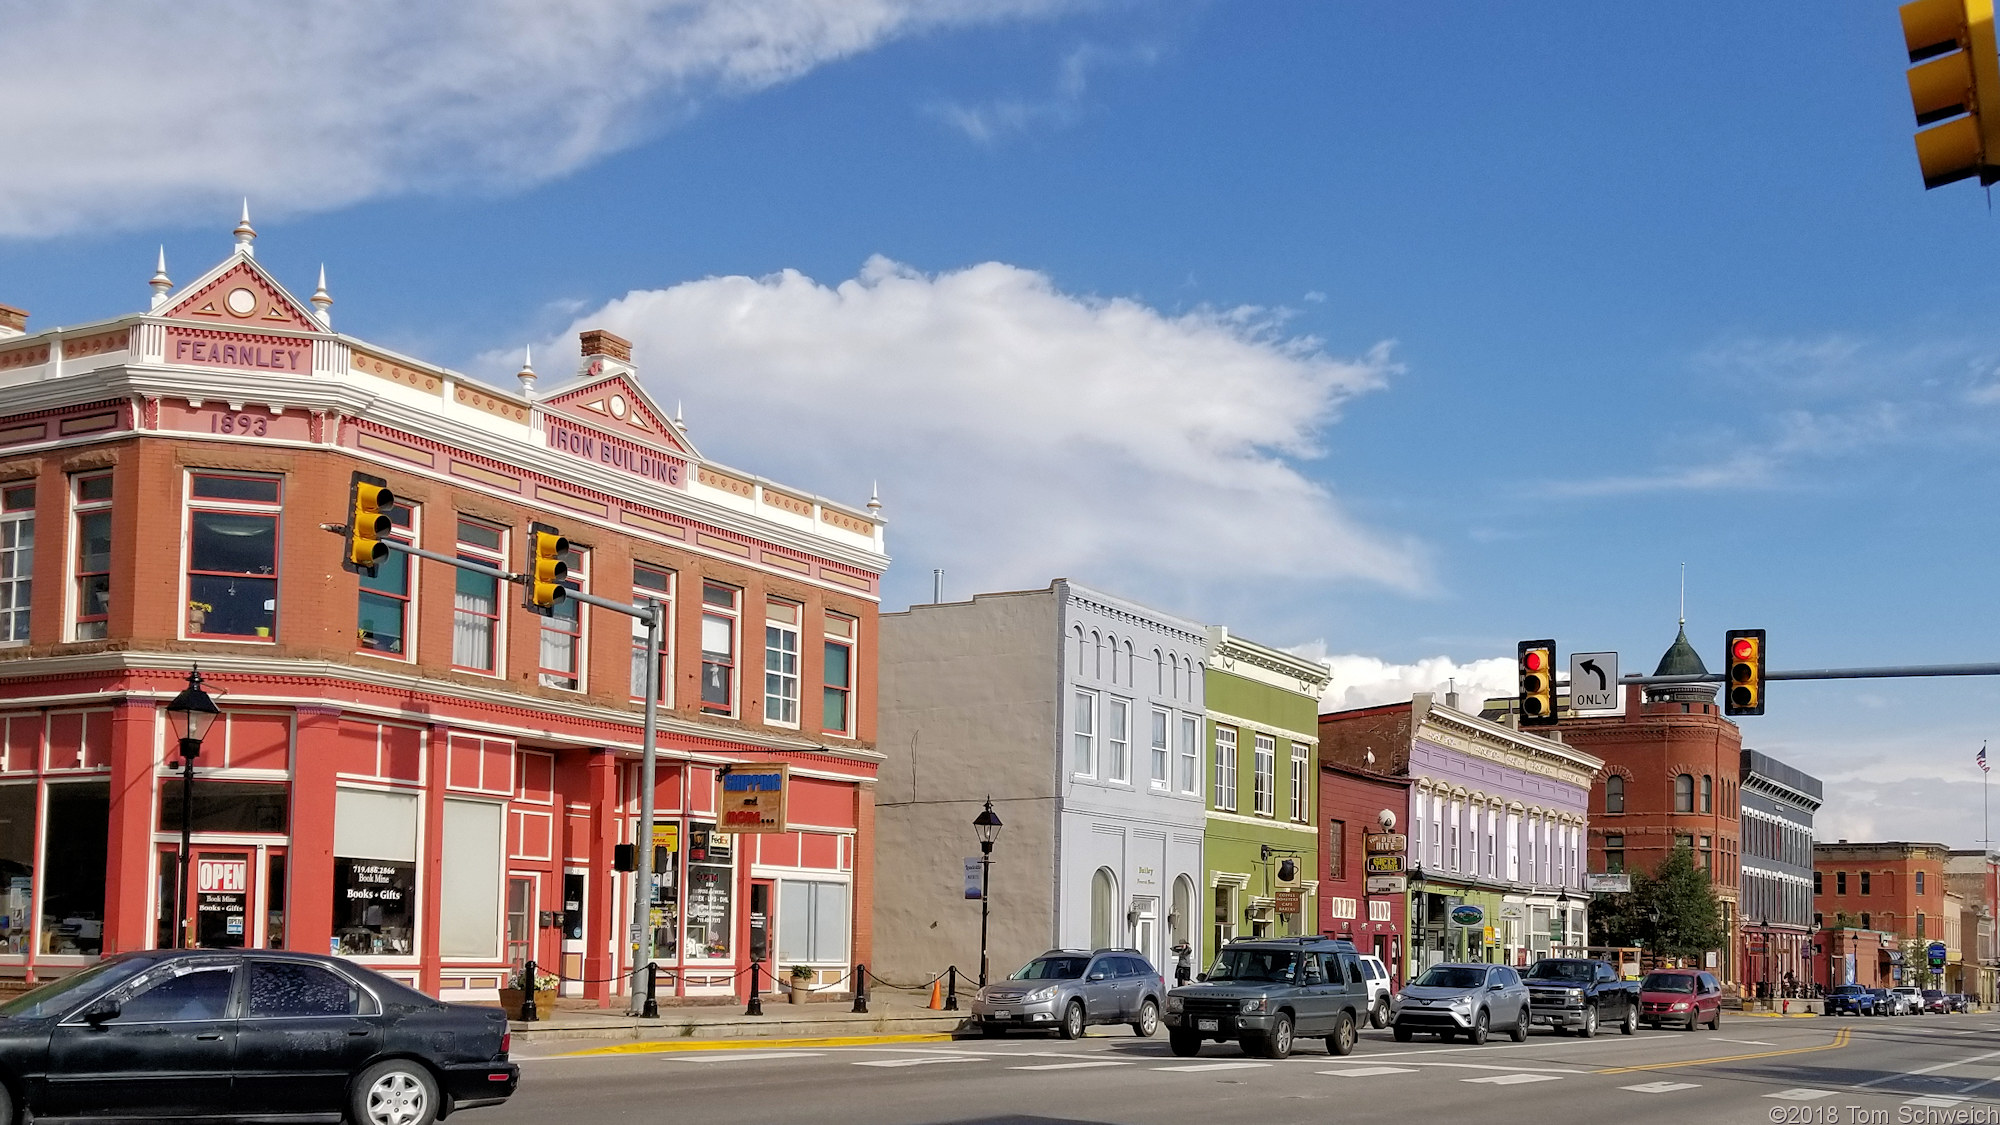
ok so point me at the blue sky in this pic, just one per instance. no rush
(1398, 333)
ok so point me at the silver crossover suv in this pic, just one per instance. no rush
(1464, 999)
(1070, 989)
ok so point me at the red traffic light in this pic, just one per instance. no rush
(1743, 649)
(1535, 660)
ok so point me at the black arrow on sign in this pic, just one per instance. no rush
(1591, 667)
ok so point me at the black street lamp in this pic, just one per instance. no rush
(191, 712)
(1562, 911)
(986, 826)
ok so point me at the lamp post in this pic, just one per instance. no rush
(1417, 919)
(1562, 911)
(986, 826)
(191, 712)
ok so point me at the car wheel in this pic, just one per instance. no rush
(1072, 1021)
(1631, 1024)
(1341, 1042)
(1403, 1034)
(396, 1092)
(1378, 1016)
(1694, 1020)
(1589, 1027)
(1148, 1021)
(1519, 1032)
(1278, 1044)
(1715, 1021)
(1480, 1029)
(1184, 1044)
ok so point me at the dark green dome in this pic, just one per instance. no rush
(1681, 659)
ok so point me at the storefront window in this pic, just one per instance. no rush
(79, 824)
(232, 564)
(274, 903)
(666, 911)
(382, 619)
(226, 806)
(374, 873)
(812, 921)
(710, 893)
(469, 880)
(17, 866)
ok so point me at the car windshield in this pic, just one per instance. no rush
(1847, 989)
(58, 996)
(1579, 971)
(1252, 964)
(1052, 968)
(1668, 982)
(1933, 994)
(1452, 976)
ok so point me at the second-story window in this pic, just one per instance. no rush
(1264, 783)
(1920, 882)
(476, 620)
(232, 559)
(1190, 754)
(1225, 768)
(383, 620)
(1118, 740)
(1864, 882)
(1301, 779)
(1083, 735)
(561, 652)
(781, 662)
(718, 648)
(837, 676)
(657, 583)
(1159, 752)
(17, 559)
(90, 499)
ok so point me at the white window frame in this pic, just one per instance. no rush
(272, 509)
(1225, 768)
(405, 534)
(1160, 759)
(20, 585)
(1118, 739)
(578, 579)
(1301, 778)
(1264, 775)
(73, 628)
(785, 713)
(1190, 755)
(486, 556)
(851, 641)
(1083, 734)
(732, 614)
(1451, 855)
(666, 599)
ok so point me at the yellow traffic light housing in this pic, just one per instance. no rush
(1954, 89)
(1538, 683)
(543, 586)
(368, 504)
(1744, 693)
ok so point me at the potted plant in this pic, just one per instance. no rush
(198, 615)
(802, 978)
(516, 993)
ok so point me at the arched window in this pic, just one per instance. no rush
(1131, 670)
(1707, 793)
(1103, 909)
(1079, 650)
(1114, 657)
(1097, 665)
(1181, 923)
(1684, 793)
(1159, 674)
(1865, 924)
(1614, 793)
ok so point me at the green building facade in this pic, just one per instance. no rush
(1262, 785)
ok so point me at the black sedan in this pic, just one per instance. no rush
(245, 1034)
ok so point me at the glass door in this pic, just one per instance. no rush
(226, 886)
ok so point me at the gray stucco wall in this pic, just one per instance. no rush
(967, 709)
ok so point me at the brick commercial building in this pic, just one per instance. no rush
(1365, 909)
(410, 769)
(1892, 886)
(1973, 876)
(1776, 814)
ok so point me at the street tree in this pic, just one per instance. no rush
(1671, 911)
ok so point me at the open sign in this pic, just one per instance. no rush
(222, 875)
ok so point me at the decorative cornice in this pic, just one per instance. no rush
(1239, 656)
(1133, 614)
(1229, 720)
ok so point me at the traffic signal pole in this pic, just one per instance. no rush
(647, 611)
(1886, 672)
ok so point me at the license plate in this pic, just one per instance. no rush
(1003, 1015)
(1208, 1025)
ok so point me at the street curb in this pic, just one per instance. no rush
(1779, 1015)
(656, 1046)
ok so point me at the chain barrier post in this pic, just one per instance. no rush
(951, 990)
(861, 989)
(529, 1012)
(756, 1007)
(652, 1009)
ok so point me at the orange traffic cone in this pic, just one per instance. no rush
(937, 997)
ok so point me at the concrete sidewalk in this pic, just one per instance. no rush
(889, 1013)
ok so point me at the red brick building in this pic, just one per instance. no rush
(1351, 806)
(1895, 887)
(410, 769)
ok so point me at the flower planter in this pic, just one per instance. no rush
(801, 991)
(512, 998)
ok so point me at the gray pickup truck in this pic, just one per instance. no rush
(1266, 992)
(1574, 994)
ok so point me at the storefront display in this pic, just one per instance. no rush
(665, 923)
(79, 814)
(372, 910)
(710, 893)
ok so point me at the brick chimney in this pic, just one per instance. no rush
(14, 322)
(598, 342)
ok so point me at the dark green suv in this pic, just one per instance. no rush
(1267, 992)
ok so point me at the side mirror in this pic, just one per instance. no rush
(1097, 976)
(99, 1012)
(1496, 987)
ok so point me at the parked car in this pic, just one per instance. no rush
(1887, 1003)
(1909, 1000)
(1849, 1000)
(1067, 990)
(1469, 999)
(1380, 995)
(1936, 1002)
(252, 1034)
(1568, 993)
(1688, 997)
(1960, 1002)
(1267, 992)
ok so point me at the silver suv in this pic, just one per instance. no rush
(1070, 989)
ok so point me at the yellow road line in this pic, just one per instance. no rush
(644, 1047)
(1839, 1040)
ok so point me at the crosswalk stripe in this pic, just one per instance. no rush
(1935, 1101)
(1660, 1087)
(1368, 1071)
(1191, 1068)
(1799, 1094)
(742, 1056)
(1514, 1079)
(922, 1061)
(1072, 1065)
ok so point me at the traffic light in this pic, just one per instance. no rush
(1538, 683)
(546, 569)
(1744, 694)
(1954, 88)
(368, 504)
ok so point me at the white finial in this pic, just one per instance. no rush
(161, 283)
(677, 414)
(527, 372)
(322, 301)
(245, 233)
(1684, 595)
(875, 496)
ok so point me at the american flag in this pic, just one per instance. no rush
(1983, 767)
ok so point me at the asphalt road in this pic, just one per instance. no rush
(1818, 1071)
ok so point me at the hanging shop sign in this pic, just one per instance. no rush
(1385, 864)
(1468, 915)
(1387, 885)
(1291, 902)
(751, 798)
(1387, 842)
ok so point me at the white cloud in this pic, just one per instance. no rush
(1366, 681)
(122, 115)
(1021, 433)
(989, 121)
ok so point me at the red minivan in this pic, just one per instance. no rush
(1684, 997)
